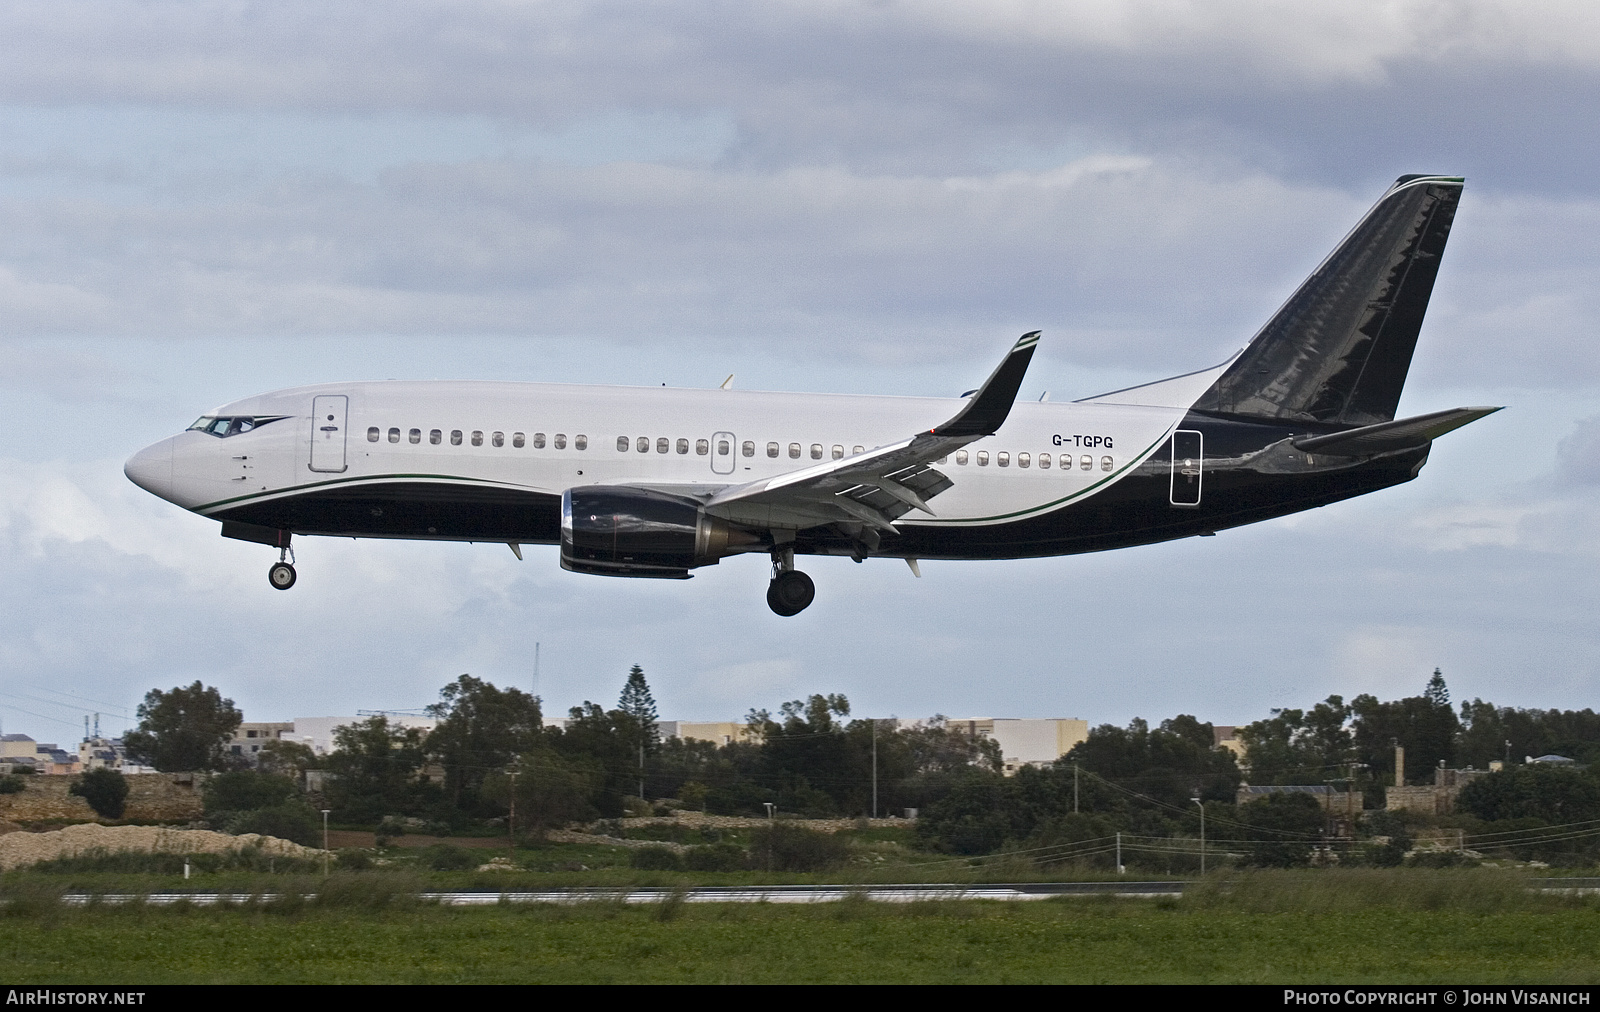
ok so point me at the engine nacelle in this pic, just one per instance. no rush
(611, 531)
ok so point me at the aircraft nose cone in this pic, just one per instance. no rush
(151, 469)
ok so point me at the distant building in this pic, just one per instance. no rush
(44, 757)
(1026, 741)
(317, 732)
(248, 737)
(1437, 798)
(97, 752)
(724, 732)
(1335, 803)
(1227, 736)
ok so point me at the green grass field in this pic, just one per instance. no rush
(1322, 927)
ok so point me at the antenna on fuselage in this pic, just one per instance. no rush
(727, 384)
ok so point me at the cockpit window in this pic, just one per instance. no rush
(223, 426)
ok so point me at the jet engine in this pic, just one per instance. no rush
(610, 531)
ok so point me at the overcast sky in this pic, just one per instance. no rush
(201, 201)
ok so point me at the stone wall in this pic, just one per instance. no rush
(152, 797)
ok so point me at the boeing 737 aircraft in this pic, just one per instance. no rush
(656, 482)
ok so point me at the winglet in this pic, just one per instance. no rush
(987, 409)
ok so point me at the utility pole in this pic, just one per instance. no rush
(874, 767)
(1119, 853)
(324, 844)
(1074, 788)
(1202, 804)
(511, 822)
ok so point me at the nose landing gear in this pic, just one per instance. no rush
(282, 574)
(791, 591)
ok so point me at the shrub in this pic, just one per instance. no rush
(10, 785)
(246, 791)
(655, 859)
(717, 857)
(786, 847)
(104, 789)
(445, 857)
(293, 822)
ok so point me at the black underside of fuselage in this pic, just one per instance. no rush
(1250, 474)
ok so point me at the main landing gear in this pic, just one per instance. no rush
(282, 574)
(791, 591)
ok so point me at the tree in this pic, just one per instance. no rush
(104, 789)
(376, 767)
(1424, 725)
(1297, 746)
(637, 703)
(183, 730)
(1284, 828)
(481, 729)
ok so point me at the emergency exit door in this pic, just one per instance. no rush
(1188, 466)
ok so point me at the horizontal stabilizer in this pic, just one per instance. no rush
(1384, 437)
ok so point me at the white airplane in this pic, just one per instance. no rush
(656, 482)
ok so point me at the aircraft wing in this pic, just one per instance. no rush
(881, 485)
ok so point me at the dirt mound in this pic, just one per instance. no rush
(18, 850)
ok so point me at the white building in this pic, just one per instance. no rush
(317, 732)
(1026, 741)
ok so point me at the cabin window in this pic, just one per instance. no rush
(702, 447)
(816, 451)
(663, 445)
(794, 451)
(683, 446)
(477, 437)
(1044, 460)
(961, 457)
(643, 444)
(538, 440)
(983, 458)
(943, 460)
(1087, 463)
(1022, 460)
(1066, 462)
(455, 437)
(498, 439)
(435, 437)
(580, 442)
(372, 434)
(560, 441)
(772, 449)
(1105, 463)
(394, 435)
(622, 444)
(1003, 459)
(724, 447)
(415, 436)
(857, 449)
(518, 440)
(838, 452)
(748, 449)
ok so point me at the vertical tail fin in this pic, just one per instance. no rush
(1339, 349)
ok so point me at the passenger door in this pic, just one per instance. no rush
(328, 432)
(724, 450)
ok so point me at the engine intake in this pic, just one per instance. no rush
(608, 531)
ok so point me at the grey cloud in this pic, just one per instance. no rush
(1347, 96)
